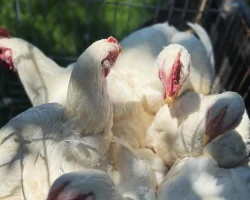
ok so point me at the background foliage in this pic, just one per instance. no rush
(67, 27)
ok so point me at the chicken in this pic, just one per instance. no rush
(46, 82)
(195, 120)
(199, 74)
(84, 185)
(51, 139)
(138, 69)
(140, 54)
(201, 178)
(43, 80)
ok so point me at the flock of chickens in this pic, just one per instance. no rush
(128, 121)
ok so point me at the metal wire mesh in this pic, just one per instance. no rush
(53, 24)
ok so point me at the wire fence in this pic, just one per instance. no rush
(63, 29)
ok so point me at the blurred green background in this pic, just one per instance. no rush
(67, 27)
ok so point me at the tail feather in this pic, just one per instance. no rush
(167, 29)
(200, 31)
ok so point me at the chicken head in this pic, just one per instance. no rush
(174, 65)
(109, 60)
(224, 114)
(89, 184)
(5, 53)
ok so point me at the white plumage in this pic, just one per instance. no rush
(46, 82)
(127, 178)
(43, 80)
(50, 139)
(132, 77)
(99, 125)
(202, 59)
(181, 130)
(141, 61)
(98, 185)
(228, 150)
(156, 163)
(201, 178)
(130, 119)
(133, 176)
(84, 185)
(138, 70)
(72, 138)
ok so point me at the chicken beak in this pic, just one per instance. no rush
(170, 101)
(206, 139)
(120, 50)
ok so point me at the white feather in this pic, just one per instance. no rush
(201, 178)
(178, 132)
(47, 141)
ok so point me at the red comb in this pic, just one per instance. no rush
(4, 33)
(111, 39)
(174, 78)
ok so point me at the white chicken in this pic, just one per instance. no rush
(201, 178)
(43, 80)
(174, 77)
(195, 120)
(84, 185)
(140, 63)
(202, 72)
(46, 82)
(51, 139)
(138, 69)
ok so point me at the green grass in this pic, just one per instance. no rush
(59, 27)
